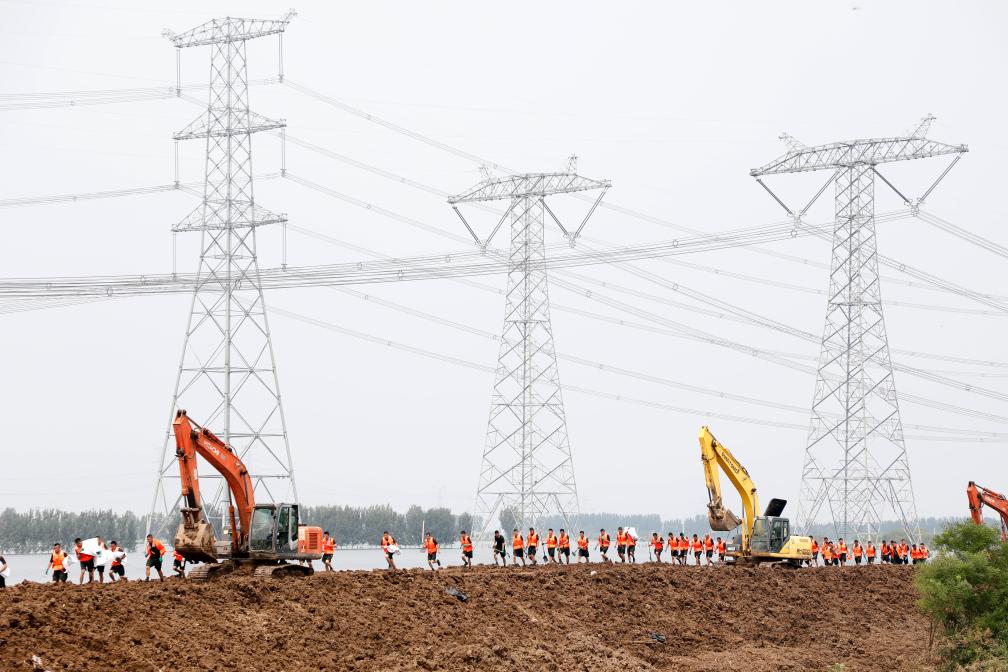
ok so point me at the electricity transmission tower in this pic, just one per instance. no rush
(855, 459)
(227, 376)
(527, 467)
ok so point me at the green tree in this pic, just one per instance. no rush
(965, 592)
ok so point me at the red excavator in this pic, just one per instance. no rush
(979, 497)
(264, 537)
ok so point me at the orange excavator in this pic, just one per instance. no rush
(979, 497)
(267, 538)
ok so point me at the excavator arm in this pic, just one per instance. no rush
(194, 538)
(715, 456)
(979, 497)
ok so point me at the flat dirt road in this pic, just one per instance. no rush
(544, 618)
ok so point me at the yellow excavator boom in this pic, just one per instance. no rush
(715, 455)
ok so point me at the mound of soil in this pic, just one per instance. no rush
(590, 617)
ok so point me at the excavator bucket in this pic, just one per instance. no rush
(722, 519)
(196, 542)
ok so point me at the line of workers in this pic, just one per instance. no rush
(154, 552)
(557, 549)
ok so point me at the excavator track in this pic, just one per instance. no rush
(209, 572)
(282, 571)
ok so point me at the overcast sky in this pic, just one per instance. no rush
(673, 102)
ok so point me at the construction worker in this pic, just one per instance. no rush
(925, 553)
(533, 545)
(901, 553)
(857, 552)
(155, 551)
(684, 549)
(563, 543)
(720, 549)
(465, 542)
(603, 545)
(621, 544)
(551, 546)
(582, 543)
(870, 553)
(827, 552)
(906, 552)
(328, 546)
(841, 549)
(86, 561)
(99, 567)
(387, 541)
(886, 551)
(498, 548)
(517, 548)
(914, 554)
(116, 569)
(815, 553)
(658, 544)
(57, 563)
(178, 564)
(431, 544)
(673, 548)
(631, 547)
(708, 546)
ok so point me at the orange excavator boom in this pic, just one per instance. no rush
(979, 497)
(194, 538)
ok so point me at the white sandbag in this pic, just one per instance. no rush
(632, 531)
(393, 548)
(106, 557)
(6, 572)
(91, 547)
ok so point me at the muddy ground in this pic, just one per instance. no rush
(546, 618)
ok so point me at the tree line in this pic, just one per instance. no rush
(36, 530)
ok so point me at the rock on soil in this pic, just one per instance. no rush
(714, 619)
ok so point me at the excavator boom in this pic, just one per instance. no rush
(715, 455)
(979, 497)
(195, 538)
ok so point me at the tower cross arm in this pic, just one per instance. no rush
(230, 29)
(528, 184)
(871, 151)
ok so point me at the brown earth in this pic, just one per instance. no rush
(545, 618)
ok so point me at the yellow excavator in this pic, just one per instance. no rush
(765, 538)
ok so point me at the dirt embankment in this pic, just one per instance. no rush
(544, 618)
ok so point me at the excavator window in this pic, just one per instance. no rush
(294, 524)
(261, 536)
(779, 533)
(283, 525)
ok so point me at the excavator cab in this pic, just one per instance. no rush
(769, 534)
(274, 531)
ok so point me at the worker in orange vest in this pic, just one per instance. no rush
(658, 544)
(431, 544)
(925, 553)
(517, 548)
(815, 553)
(673, 548)
(57, 563)
(551, 546)
(116, 568)
(870, 553)
(684, 549)
(86, 561)
(631, 547)
(708, 546)
(155, 554)
(533, 545)
(720, 549)
(827, 552)
(563, 543)
(328, 547)
(697, 548)
(603, 545)
(582, 543)
(387, 541)
(857, 551)
(886, 551)
(621, 544)
(901, 552)
(178, 564)
(841, 551)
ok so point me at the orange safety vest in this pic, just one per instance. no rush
(925, 553)
(328, 545)
(720, 548)
(178, 557)
(386, 540)
(431, 544)
(708, 543)
(466, 542)
(621, 538)
(886, 552)
(564, 540)
(870, 551)
(159, 546)
(815, 546)
(603, 541)
(683, 544)
(843, 548)
(57, 559)
(517, 542)
(697, 545)
(83, 557)
(657, 543)
(533, 539)
(551, 540)
(827, 552)
(900, 551)
(582, 543)
(857, 551)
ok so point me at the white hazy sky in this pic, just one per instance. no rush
(674, 102)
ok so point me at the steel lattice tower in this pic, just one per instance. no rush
(527, 465)
(227, 375)
(856, 459)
